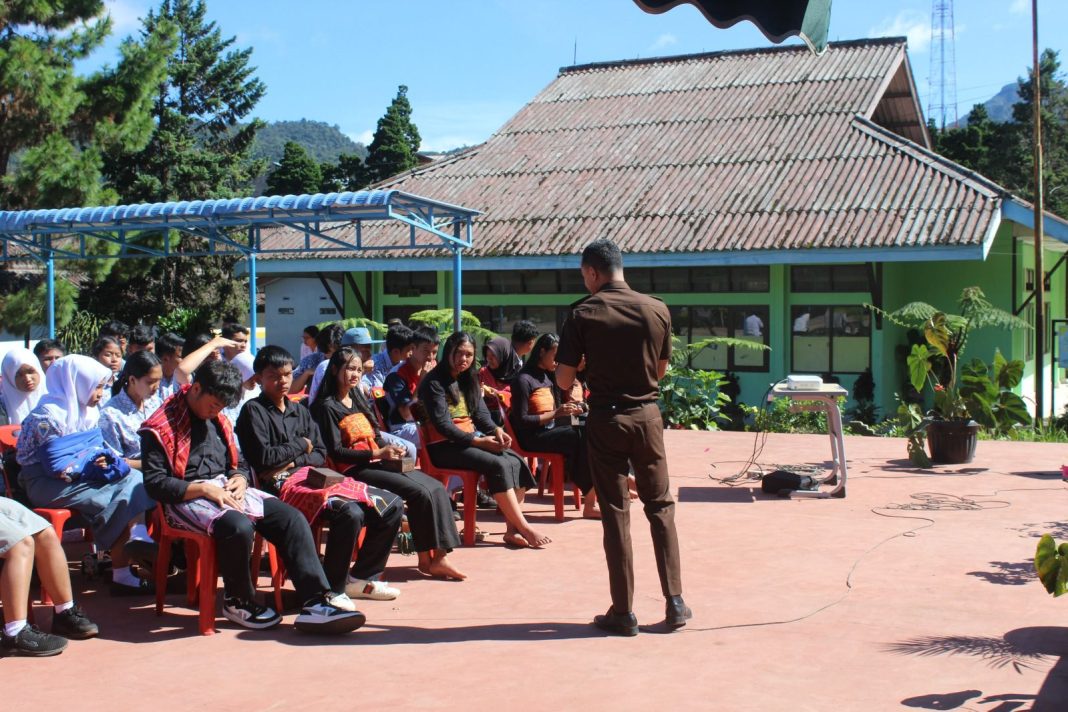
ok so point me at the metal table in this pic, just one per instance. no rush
(824, 398)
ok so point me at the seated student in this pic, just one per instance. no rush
(134, 397)
(169, 350)
(307, 340)
(463, 436)
(350, 430)
(191, 466)
(328, 341)
(524, 332)
(22, 385)
(250, 387)
(502, 364)
(75, 384)
(237, 335)
(359, 339)
(198, 350)
(26, 538)
(398, 349)
(279, 436)
(108, 351)
(141, 337)
(536, 409)
(47, 351)
(117, 330)
(402, 382)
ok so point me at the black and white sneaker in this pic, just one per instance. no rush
(249, 614)
(321, 617)
(74, 624)
(32, 642)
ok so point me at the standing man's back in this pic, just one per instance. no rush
(626, 339)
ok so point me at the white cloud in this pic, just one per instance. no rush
(912, 24)
(364, 137)
(125, 15)
(1020, 7)
(662, 42)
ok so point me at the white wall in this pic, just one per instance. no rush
(293, 303)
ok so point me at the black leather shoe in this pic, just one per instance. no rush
(617, 623)
(677, 612)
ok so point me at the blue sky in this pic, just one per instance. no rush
(470, 64)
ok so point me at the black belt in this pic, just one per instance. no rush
(619, 407)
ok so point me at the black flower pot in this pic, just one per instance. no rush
(952, 442)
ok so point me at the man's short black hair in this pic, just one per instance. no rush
(220, 379)
(114, 329)
(603, 255)
(399, 336)
(329, 338)
(231, 329)
(523, 331)
(271, 356)
(141, 335)
(168, 344)
(45, 345)
(425, 334)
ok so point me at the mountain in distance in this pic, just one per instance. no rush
(323, 142)
(998, 107)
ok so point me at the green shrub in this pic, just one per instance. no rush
(693, 399)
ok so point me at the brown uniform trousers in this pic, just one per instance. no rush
(634, 435)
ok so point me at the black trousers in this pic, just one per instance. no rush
(503, 471)
(429, 508)
(284, 527)
(569, 442)
(346, 520)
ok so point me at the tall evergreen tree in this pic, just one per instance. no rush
(199, 149)
(297, 173)
(396, 140)
(349, 173)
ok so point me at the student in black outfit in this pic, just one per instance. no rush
(536, 408)
(191, 466)
(350, 430)
(279, 436)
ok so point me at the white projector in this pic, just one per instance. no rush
(803, 383)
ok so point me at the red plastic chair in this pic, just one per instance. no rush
(470, 489)
(201, 570)
(9, 436)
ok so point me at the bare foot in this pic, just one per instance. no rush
(442, 568)
(535, 540)
(516, 540)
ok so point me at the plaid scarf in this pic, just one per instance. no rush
(170, 425)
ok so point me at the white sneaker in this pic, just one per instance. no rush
(341, 600)
(322, 617)
(374, 590)
(249, 614)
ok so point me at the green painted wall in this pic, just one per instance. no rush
(938, 283)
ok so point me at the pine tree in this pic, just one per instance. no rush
(396, 140)
(297, 173)
(199, 149)
(349, 173)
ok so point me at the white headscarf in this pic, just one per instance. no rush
(18, 404)
(71, 381)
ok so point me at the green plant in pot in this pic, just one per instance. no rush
(966, 397)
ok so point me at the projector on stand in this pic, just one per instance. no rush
(803, 383)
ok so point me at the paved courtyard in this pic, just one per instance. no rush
(916, 591)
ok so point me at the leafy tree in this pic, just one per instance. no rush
(349, 173)
(199, 149)
(296, 174)
(396, 140)
(55, 124)
(26, 308)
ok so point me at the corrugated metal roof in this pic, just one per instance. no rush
(748, 150)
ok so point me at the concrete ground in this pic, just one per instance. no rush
(916, 591)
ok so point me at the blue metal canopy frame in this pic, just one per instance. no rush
(232, 227)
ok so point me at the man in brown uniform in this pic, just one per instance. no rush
(626, 338)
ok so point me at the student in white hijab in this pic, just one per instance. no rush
(75, 385)
(22, 385)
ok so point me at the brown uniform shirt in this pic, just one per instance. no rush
(624, 335)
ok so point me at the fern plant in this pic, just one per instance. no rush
(441, 319)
